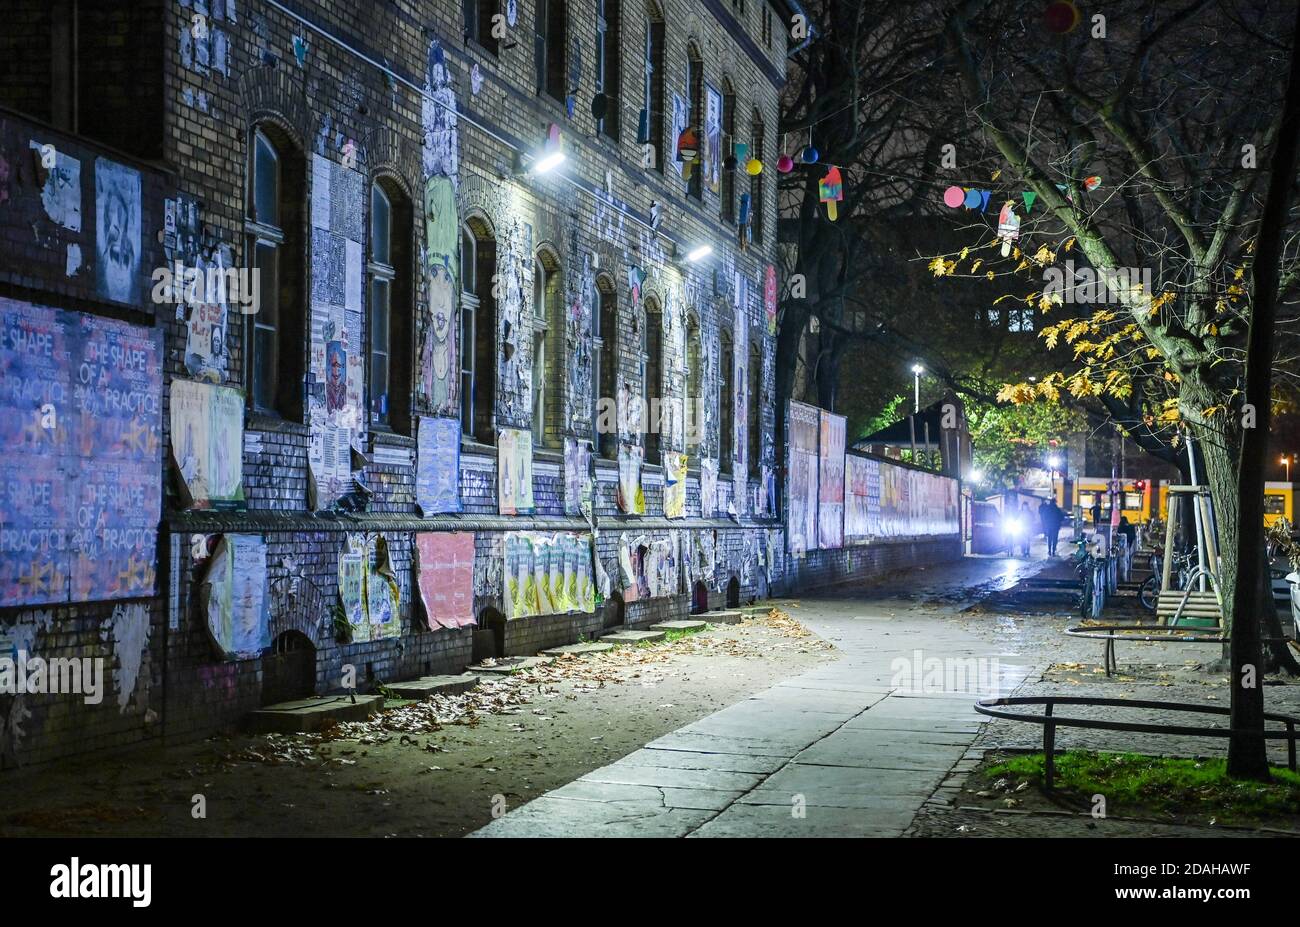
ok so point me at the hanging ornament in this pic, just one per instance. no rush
(971, 199)
(953, 197)
(1029, 196)
(742, 151)
(984, 199)
(1061, 17)
(809, 155)
(830, 190)
(785, 164)
(688, 146)
(743, 224)
(599, 105)
(1008, 227)
(754, 167)
(729, 162)
(1091, 183)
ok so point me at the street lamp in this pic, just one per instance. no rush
(917, 370)
(1054, 464)
(1286, 462)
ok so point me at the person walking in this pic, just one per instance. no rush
(1026, 519)
(1050, 515)
(1096, 512)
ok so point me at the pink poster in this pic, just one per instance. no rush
(444, 564)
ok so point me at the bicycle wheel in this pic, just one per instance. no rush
(1085, 597)
(1149, 592)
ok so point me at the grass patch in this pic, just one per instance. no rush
(672, 634)
(1167, 784)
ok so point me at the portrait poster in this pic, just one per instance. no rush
(118, 217)
(674, 484)
(578, 482)
(444, 564)
(438, 380)
(708, 488)
(515, 472)
(234, 597)
(830, 508)
(712, 154)
(631, 497)
(207, 437)
(804, 429)
(437, 467)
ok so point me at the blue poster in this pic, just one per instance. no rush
(80, 439)
(437, 469)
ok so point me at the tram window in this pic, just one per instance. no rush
(1274, 504)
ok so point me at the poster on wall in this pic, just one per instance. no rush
(354, 560)
(383, 594)
(515, 472)
(548, 574)
(915, 503)
(708, 488)
(233, 597)
(117, 232)
(740, 417)
(80, 443)
(631, 497)
(712, 154)
(830, 476)
(444, 564)
(334, 377)
(770, 298)
(207, 437)
(861, 498)
(680, 117)
(578, 482)
(61, 191)
(804, 428)
(437, 470)
(439, 374)
(674, 485)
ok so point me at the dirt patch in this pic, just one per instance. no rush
(433, 768)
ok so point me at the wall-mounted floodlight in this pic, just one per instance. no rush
(699, 253)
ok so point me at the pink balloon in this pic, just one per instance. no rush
(954, 197)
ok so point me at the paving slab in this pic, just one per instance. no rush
(578, 650)
(680, 625)
(426, 686)
(731, 616)
(304, 716)
(668, 777)
(627, 638)
(689, 759)
(785, 820)
(508, 665)
(559, 817)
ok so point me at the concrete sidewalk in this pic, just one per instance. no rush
(849, 749)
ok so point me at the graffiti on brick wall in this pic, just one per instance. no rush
(437, 472)
(830, 476)
(19, 638)
(515, 472)
(80, 429)
(117, 232)
(128, 631)
(439, 375)
(631, 497)
(233, 597)
(444, 565)
(334, 378)
(207, 428)
(578, 347)
(548, 574)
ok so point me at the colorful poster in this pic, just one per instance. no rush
(515, 472)
(80, 437)
(117, 232)
(830, 508)
(631, 497)
(861, 498)
(803, 424)
(770, 298)
(439, 374)
(444, 564)
(661, 570)
(916, 503)
(207, 436)
(334, 376)
(234, 597)
(708, 488)
(674, 485)
(354, 560)
(383, 594)
(548, 574)
(437, 469)
(711, 156)
(740, 418)
(578, 477)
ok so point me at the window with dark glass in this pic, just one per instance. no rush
(391, 278)
(549, 41)
(606, 373)
(728, 185)
(652, 367)
(478, 335)
(693, 407)
(695, 87)
(754, 410)
(608, 66)
(478, 22)
(726, 401)
(653, 71)
(756, 182)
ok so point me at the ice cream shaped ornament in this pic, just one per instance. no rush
(1008, 227)
(688, 150)
(830, 190)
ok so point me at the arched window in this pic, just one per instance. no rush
(548, 42)
(695, 87)
(693, 406)
(754, 410)
(652, 367)
(605, 376)
(609, 64)
(756, 181)
(478, 332)
(728, 185)
(548, 340)
(726, 400)
(390, 307)
(274, 336)
(653, 71)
